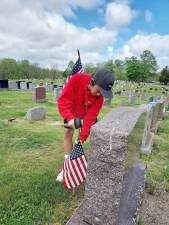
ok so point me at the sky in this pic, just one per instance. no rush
(50, 32)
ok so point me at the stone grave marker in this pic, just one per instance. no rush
(36, 113)
(39, 94)
(132, 192)
(148, 136)
(13, 86)
(133, 99)
(23, 86)
(49, 87)
(105, 180)
(32, 86)
(57, 92)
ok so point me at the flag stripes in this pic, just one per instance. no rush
(75, 167)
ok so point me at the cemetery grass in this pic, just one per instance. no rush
(155, 206)
(31, 155)
(158, 161)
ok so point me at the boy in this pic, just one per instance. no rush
(82, 97)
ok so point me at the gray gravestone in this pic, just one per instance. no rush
(133, 189)
(32, 86)
(147, 139)
(13, 86)
(49, 87)
(23, 86)
(36, 113)
(133, 100)
(57, 92)
(106, 167)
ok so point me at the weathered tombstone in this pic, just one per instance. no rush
(147, 139)
(32, 86)
(49, 87)
(4, 84)
(23, 86)
(13, 86)
(36, 113)
(57, 92)
(132, 100)
(106, 170)
(133, 189)
(39, 94)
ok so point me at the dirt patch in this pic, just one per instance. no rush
(155, 208)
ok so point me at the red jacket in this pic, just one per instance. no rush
(76, 101)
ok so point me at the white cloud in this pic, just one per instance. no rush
(148, 16)
(37, 31)
(156, 43)
(29, 31)
(119, 14)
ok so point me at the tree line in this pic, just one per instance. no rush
(139, 69)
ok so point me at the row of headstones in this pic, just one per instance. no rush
(112, 194)
(40, 93)
(28, 86)
(124, 88)
(135, 99)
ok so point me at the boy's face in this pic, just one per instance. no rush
(95, 90)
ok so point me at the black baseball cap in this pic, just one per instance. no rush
(104, 78)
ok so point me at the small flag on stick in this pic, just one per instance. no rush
(75, 167)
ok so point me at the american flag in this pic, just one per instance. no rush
(75, 167)
(76, 68)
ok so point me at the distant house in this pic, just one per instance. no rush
(3, 83)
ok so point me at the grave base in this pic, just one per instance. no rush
(39, 100)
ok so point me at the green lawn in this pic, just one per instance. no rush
(31, 155)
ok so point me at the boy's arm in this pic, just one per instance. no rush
(90, 119)
(65, 101)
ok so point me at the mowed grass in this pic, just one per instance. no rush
(158, 161)
(31, 154)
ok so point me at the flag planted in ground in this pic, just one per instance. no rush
(75, 167)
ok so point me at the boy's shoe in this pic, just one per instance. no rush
(60, 177)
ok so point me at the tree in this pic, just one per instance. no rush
(8, 68)
(119, 70)
(164, 76)
(90, 68)
(150, 66)
(109, 65)
(68, 70)
(134, 69)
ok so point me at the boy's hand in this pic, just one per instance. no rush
(71, 124)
